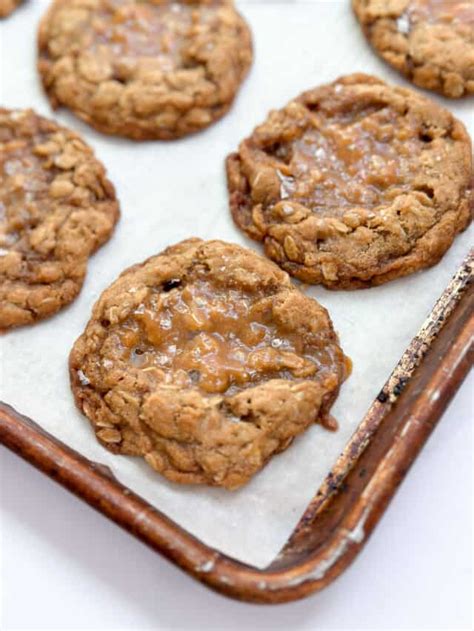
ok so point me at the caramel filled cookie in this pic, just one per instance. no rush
(354, 183)
(429, 41)
(8, 6)
(150, 69)
(56, 208)
(206, 361)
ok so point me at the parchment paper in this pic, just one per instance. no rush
(170, 191)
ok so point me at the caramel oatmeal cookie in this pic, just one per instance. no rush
(56, 208)
(429, 41)
(354, 183)
(206, 361)
(8, 6)
(144, 69)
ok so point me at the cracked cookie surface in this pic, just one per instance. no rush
(8, 6)
(206, 361)
(151, 69)
(56, 208)
(430, 41)
(354, 183)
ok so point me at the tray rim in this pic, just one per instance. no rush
(343, 513)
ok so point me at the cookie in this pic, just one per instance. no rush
(354, 183)
(206, 361)
(430, 41)
(8, 6)
(155, 69)
(56, 208)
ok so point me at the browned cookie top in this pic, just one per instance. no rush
(56, 208)
(205, 360)
(8, 6)
(144, 69)
(353, 183)
(430, 41)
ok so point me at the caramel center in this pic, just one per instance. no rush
(23, 181)
(154, 36)
(142, 30)
(349, 160)
(217, 340)
(441, 11)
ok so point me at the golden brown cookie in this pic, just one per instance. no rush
(56, 208)
(206, 361)
(429, 41)
(144, 69)
(354, 183)
(8, 6)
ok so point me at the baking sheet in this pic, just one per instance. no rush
(170, 191)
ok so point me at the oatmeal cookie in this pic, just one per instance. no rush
(150, 69)
(429, 41)
(354, 183)
(8, 6)
(56, 208)
(206, 361)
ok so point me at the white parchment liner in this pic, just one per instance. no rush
(170, 191)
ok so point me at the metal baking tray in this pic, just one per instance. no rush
(352, 497)
(344, 511)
